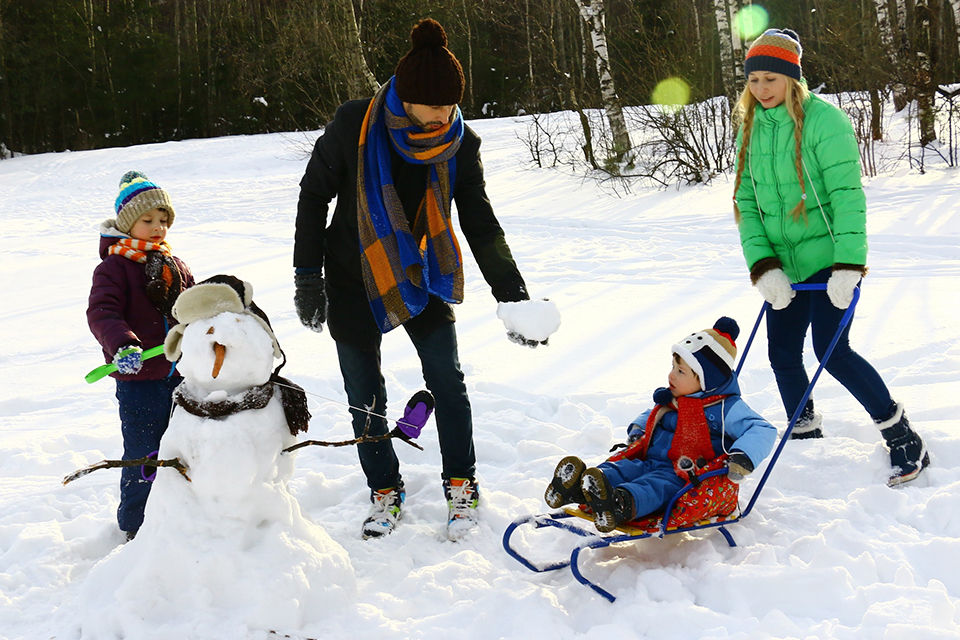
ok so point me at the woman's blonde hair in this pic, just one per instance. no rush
(793, 99)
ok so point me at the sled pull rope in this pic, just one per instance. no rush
(844, 322)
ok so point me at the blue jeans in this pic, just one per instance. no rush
(364, 384)
(144, 414)
(786, 331)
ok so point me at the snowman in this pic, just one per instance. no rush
(228, 551)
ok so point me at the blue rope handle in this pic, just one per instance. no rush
(844, 321)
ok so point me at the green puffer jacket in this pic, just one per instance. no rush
(770, 189)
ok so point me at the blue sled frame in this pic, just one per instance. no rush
(595, 540)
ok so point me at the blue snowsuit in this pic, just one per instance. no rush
(653, 482)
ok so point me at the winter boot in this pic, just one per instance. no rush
(808, 425)
(624, 510)
(600, 498)
(463, 498)
(565, 486)
(386, 510)
(908, 455)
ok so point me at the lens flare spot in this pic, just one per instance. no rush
(671, 91)
(751, 21)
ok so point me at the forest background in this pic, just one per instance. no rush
(84, 74)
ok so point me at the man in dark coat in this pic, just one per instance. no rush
(389, 257)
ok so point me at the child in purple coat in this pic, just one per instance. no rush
(134, 288)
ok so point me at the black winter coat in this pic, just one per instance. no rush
(332, 173)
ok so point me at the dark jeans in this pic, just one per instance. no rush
(786, 331)
(364, 384)
(144, 415)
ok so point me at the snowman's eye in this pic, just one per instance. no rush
(210, 331)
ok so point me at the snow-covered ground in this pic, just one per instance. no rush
(829, 552)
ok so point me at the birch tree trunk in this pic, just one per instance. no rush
(891, 45)
(176, 44)
(736, 43)
(6, 111)
(593, 15)
(727, 64)
(468, 97)
(530, 78)
(360, 80)
(696, 28)
(926, 51)
(955, 6)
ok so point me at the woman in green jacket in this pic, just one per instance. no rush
(801, 211)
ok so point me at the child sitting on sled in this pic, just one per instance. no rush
(697, 418)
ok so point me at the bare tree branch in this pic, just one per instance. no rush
(139, 462)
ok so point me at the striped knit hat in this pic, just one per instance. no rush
(711, 353)
(777, 50)
(137, 196)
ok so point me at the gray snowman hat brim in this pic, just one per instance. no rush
(211, 297)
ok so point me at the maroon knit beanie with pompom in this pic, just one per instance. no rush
(429, 74)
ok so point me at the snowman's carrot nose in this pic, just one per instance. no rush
(219, 352)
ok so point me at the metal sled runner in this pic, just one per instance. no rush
(571, 519)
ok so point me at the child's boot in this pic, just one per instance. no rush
(624, 510)
(565, 486)
(908, 455)
(599, 496)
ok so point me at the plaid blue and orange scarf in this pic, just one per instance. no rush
(401, 266)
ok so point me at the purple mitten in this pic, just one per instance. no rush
(415, 415)
(152, 475)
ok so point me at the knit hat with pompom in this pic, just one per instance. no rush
(776, 50)
(711, 353)
(429, 73)
(137, 196)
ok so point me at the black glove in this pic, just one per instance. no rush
(310, 300)
(738, 466)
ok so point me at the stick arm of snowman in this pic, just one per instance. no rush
(415, 415)
(139, 462)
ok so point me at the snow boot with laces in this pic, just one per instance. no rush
(908, 455)
(463, 498)
(386, 510)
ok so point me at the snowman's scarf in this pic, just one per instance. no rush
(292, 397)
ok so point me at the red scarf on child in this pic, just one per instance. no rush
(136, 250)
(164, 281)
(691, 437)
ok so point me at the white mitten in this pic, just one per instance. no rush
(840, 286)
(529, 322)
(775, 288)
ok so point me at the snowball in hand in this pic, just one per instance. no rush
(532, 319)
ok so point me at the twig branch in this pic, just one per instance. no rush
(395, 433)
(113, 464)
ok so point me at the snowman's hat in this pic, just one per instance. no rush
(213, 296)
